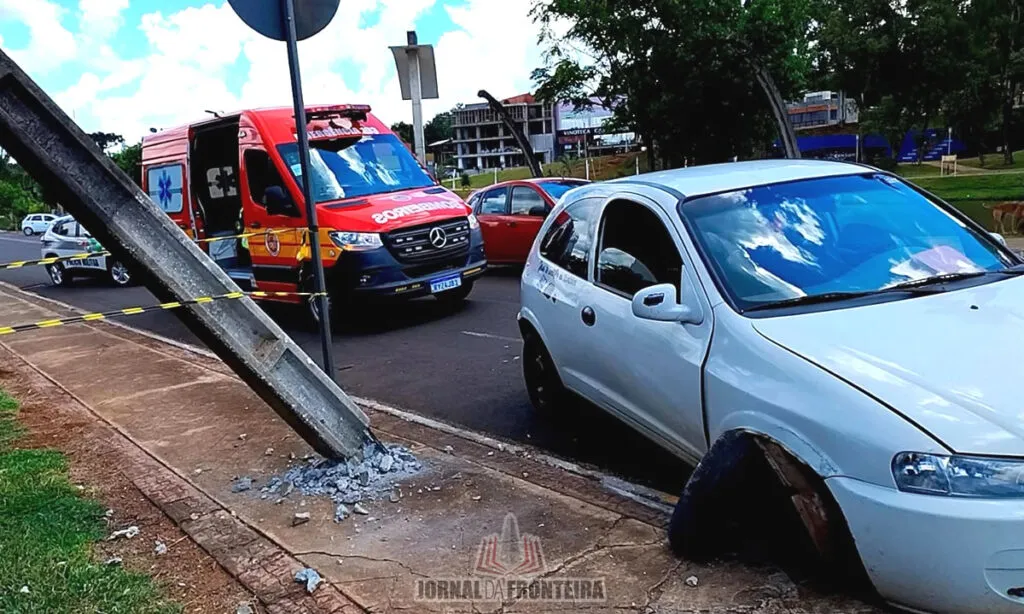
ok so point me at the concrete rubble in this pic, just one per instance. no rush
(348, 483)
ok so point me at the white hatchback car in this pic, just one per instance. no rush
(36, 223)
(856, 335)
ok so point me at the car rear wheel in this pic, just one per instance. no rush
(59, 276)
(119, 274)
(542, 381)
(456, 296)
(28, 231)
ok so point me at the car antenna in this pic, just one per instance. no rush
(213, 113)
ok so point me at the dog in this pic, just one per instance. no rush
(1007, 212)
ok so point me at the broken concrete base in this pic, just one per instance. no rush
(473, 518)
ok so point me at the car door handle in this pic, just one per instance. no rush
(254, 225)
(512, 224)
(588, 316)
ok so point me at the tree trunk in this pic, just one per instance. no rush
(786, 132)
(649, 144)
(1007, 120)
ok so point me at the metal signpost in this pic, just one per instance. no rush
(292, 21)
(417, 75)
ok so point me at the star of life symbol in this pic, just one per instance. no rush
(164, 190)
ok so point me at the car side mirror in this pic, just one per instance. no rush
(539, 211)
(999, 238)
(659, 303)
(278, 202)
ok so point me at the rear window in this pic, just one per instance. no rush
(347, 168)
(556, 189)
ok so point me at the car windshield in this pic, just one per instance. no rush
(852, 234)
(556, 189)
(347, 168)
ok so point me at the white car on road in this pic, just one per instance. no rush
(66, 238)
(36, 223)
(857, 336)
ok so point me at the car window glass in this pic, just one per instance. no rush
(636, 250)
(62, 229)
(568, 241)
(493, 202)
(260, 174)
(33, 218)
(527, 201)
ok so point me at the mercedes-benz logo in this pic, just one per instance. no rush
(438, 238)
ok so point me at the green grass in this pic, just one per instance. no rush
(602, 168)
(994, 162)
(46, 532)
(914, 171)
(973, 193)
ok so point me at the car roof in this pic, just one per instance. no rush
(714, 178)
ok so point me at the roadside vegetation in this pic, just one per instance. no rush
(46, 532)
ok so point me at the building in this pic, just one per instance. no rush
(822, 110)
(585, 132)
(482, 142)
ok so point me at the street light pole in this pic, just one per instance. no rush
(302, 136)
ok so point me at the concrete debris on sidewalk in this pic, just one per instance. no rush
(349, 482)
(310, 577)
(128, 533)
(160, 549)
(300, 518)
(241, 485)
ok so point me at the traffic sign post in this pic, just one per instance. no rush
(417, 76)
(291, 21)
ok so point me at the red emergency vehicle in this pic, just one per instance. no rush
(387, 229)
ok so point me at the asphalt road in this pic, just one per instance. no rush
(462, 367)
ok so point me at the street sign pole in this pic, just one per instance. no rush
(416, 89)
(288, 8)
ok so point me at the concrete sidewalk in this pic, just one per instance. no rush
(476, 510)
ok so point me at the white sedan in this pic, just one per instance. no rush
(856, 336)
(36, 223)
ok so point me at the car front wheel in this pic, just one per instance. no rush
(59, 276)
(119, 274)
(28, 231)
(542, 381)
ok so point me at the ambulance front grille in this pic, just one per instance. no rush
(430, 243)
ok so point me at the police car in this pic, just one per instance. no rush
(66, 237)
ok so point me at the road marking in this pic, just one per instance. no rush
(20, 240)
(490, 336)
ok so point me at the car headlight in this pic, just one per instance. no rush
(958, 476)
(473, 222)
(356, 241)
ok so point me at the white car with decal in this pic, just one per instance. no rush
(822, 330)
(65, 238)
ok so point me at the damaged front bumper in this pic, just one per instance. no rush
(937, 554)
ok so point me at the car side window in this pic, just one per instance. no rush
(494, 202)
(62, 228)
(527, 201)
(635, 251)
(261, 174)
(568, 241)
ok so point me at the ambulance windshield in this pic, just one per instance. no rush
(348, 168)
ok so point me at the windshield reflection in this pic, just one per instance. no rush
(841, 234)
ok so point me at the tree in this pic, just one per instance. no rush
(107, 140)
(691, 78)
(439, 128)
(1003, 21)
(899, 59)
(404, 132)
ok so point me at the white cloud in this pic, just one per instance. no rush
(50, 43)
(192, 51)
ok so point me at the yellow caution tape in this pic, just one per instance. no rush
(83, 256)
(131, 311)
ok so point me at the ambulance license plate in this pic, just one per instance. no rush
(445, 283)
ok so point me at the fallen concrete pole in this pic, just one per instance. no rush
(60, 156)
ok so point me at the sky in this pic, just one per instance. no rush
(123, 68)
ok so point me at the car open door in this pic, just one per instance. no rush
(491, 212)
(527, 212)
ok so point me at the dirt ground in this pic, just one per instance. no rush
(186, 574)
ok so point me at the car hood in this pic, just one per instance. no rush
(386, 212)
(948, 362)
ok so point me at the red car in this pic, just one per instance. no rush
(511, 214)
